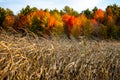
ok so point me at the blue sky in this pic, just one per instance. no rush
(79, 5)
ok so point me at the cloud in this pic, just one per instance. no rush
(84, 4)
(78, 5)
(45, 3)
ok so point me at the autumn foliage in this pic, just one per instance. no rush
(99, 15)
(72, 25)
(9, 21)
(67, 21)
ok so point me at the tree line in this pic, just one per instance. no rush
(90, 23)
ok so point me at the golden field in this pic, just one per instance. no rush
(34, 58)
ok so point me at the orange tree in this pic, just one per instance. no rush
(8, 23)
(99, 15)
(71, 25)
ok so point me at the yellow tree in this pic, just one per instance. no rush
(58, 28)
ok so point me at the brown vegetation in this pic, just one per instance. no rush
(31, 58)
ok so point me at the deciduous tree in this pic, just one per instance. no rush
(99, 15)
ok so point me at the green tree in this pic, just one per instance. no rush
(9, 12)
(2, 15)
(95, 9)
(70, 11)
(34, 9)
(35, 26)
(87, 29)
(102, 31)
(54, 11)
(26, 10)
(113, 32)
(61, 12)
(88, 13)
(46, 10)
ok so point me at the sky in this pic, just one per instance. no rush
(78, 5)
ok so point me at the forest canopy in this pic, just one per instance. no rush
(98, 23)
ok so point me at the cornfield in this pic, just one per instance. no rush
(34, 58)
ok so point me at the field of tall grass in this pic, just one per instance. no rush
(34, 58)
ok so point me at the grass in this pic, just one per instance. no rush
(31, 58)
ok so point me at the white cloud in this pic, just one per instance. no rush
(78, 5)
(45, 3)
(84, 4)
